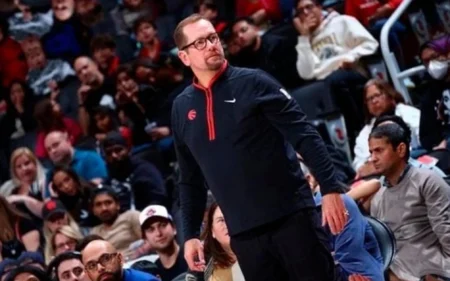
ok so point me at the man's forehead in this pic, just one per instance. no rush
(303, 3)
(69, 264)
(198, 29)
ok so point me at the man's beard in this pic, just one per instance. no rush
(217, 64)
(113, 276)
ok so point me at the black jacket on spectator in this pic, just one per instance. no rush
(277, 56)
(240, 137)
(79, 208)
(140, 180)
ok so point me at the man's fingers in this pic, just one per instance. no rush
(201, 255)
(324, 219)
(332, 223)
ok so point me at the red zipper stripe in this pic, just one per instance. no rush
(210, 115)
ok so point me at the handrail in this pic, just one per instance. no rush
(389, 57)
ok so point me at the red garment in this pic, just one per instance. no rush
(362, 10)
(145, 52)
(71, 127)
(246, 8)
(13, 65)
(113, 66)
(126, 134)
(220, 26)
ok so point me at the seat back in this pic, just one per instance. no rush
(385, 238)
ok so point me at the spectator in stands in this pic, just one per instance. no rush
(103, 50)
(125, 15)
(43, 71)
(412, 202)
(95, 90)
(134, 180)
(50, 118)
(147, 34)
(13, 65)
(147, 267)
(26, 22)
(147, 109)
(67, 267)
(261, 11)
(87, 164)
(75, 194)
(68, 38)
(29, 273)
(18, 233)
(276, 55)
(380, 98)
(18, 120)
(223, 264)
(106, 120)
(159, 232)
(329, 43)
(121, 230)
(350, 250)
(102, 261)
(209, 10)
(35, 259)
(55, 215)
(26, 189)
(64, 239)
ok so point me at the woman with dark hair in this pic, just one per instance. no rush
(50, 118)
(75, 194)
(222, 265)
(380, 99)
(28, 273)
(18, 233)
(106, 120)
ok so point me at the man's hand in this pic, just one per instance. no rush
(82, 93)
(334, 213)
(54, 89)
(194, 255)
(365, 170)
(382, 12)
(17, 198)
(304, 27)
(159, 133)
(346, 64)
(357, 277)
(442, 145)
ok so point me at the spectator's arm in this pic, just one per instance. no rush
(134, 223)
(285, 114)
(305, 58)
(259, 16)
(364, 192)
(358, 39)
(192, 184)
(361, 149)
(31, 240)
(436, 194)
(394, 4)
(349, 246)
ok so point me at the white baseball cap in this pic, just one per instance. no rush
(154, 211)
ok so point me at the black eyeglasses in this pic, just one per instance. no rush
(104, 260)
(374, 97)
(201, 43)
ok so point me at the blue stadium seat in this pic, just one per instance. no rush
(386, 240)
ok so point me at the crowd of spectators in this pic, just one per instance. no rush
(88, 170)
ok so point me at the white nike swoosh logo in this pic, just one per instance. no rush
(230, 101)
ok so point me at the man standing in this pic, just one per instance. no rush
(238, 130)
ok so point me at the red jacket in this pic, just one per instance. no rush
(245, 8)
(12, 62)
(362, 10)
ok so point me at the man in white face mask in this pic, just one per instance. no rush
(438, 69)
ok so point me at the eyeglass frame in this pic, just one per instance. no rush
(94, 264)
(374, 97)
(208, 38)
(71, 242)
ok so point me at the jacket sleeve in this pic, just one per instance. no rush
(436, 193)
(349, 246)
(305, 58)
(361, 149)
(394, 3)
(191, 183)
(358, 39)
(351, 9)
(285, 114)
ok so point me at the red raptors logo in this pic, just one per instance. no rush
(192, 114)
(151, 212)
(51, 205)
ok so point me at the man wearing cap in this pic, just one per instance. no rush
(127, 174)
(159, 232)
(55, 214)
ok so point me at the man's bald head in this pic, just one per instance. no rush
(102, 261)
(58, 147)
(87, 71)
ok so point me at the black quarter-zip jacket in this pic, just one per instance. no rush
(239, 136)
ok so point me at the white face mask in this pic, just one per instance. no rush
(438, 69)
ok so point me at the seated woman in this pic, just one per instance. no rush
(74, 193)
(222, 265)
(381, 99)
(26, 189)
(50, 118)
(63, 240)
(18, 233)
(106, 120)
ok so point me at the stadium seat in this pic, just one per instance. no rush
(386, 240)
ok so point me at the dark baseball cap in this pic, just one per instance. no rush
(52, 207)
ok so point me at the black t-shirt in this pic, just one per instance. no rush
(13, 248)
(180, 266)
(95, 96)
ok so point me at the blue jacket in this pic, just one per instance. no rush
(240, 136)
(136, 275)
(356, 248)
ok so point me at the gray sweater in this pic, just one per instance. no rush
(417, 210)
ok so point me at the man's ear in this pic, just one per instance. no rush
(120, 258)
(184, 58)
(401, 149)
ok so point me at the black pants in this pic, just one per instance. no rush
(292, 249)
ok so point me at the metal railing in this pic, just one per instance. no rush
(396, 75)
